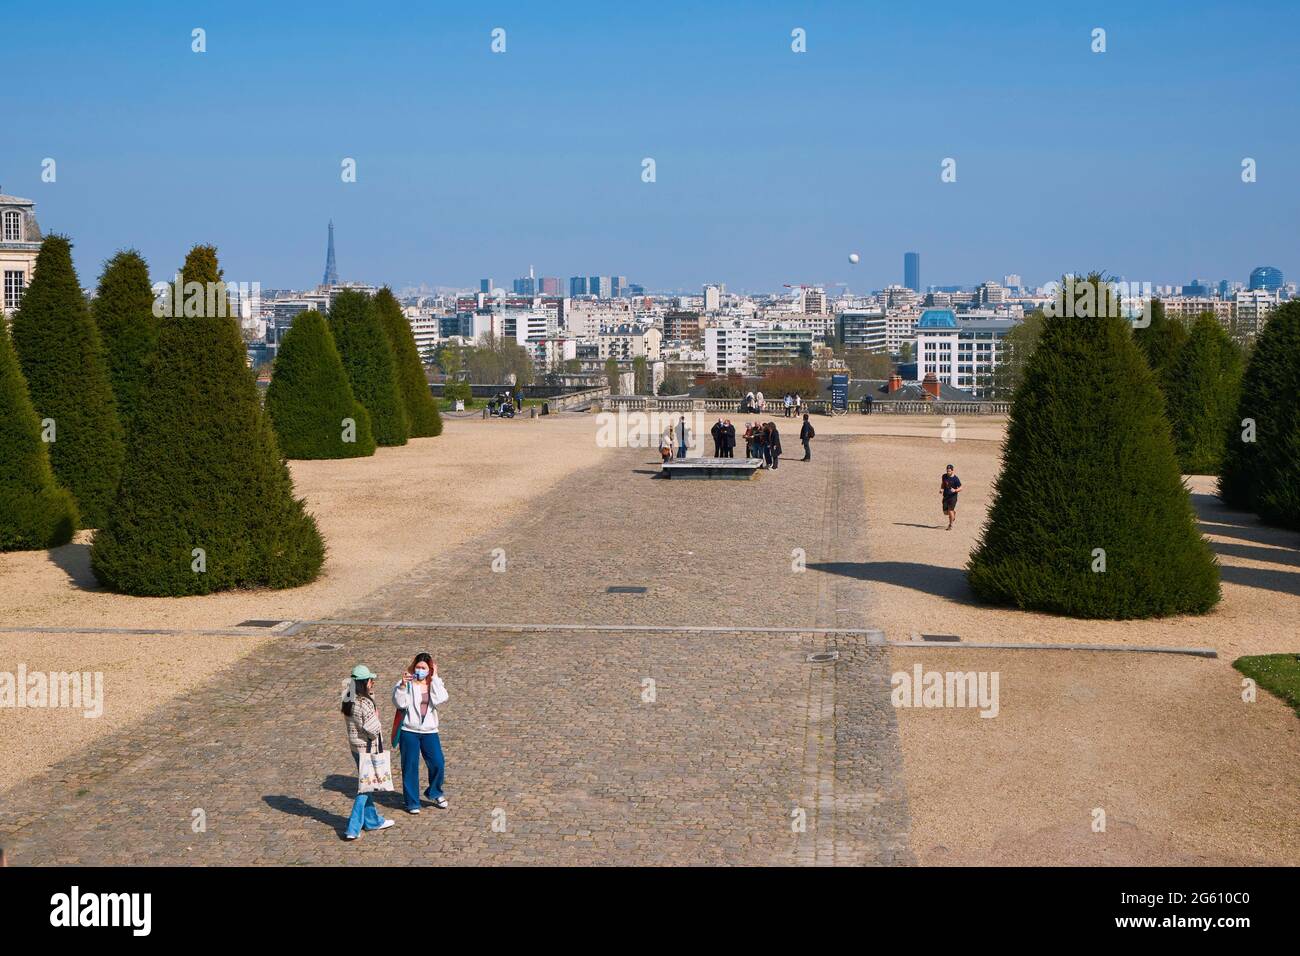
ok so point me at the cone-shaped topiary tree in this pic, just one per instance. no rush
(35, 512)
(62, 358)
(1160, 341)
(1090, 517)
(422, 415)
(1263, 438)
(123, 312)
(1201, 393)
(368, 359)
(310, 401)
(206, 502)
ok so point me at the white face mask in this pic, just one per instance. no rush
(421, 674)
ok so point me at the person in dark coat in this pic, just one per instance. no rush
(774, 444)
(716, 432)
(760, 445)
(728, 439)
(806, 434)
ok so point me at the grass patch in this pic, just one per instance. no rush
(1277, 673)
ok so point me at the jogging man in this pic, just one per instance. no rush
(950, 485)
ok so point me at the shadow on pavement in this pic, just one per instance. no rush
(942, 582)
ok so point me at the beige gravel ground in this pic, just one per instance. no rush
(1185, 770)
(380, 517)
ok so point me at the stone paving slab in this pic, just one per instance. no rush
(546, 731)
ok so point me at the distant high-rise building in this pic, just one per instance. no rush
(618, 286)
(712, 298)
(912, 271)
(602, 287)
(331, 269)
(485, 285)
(549, 285)
(1197, 288)
(1267, 278)
(1012, 280)
(577, 286)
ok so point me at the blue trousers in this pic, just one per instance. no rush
(364, 814)
(413, 746)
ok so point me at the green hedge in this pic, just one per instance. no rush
(1260, 475)
(368, 359)
(310, 400)
(1201, 390)
(62, 358)
(1089, 464)
(203, 472)
(422, 415)
(35, 512)
(123, 312)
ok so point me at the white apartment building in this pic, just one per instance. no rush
(727, 349)
(779, 345)
(424, 327)
(962, 354)
(812, 301)
(712, 298)
(900, 327)
(1252, 310)
(628, 342)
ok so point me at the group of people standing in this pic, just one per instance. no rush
(724, 438)
(762, 440)
(416, 698)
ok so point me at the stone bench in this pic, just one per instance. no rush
(742, 468)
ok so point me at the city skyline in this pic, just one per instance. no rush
(771, 166)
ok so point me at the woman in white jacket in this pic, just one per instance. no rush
(416, 697)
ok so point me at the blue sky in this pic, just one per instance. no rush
(771, 166)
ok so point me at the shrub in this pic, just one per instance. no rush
(1089, 464)
(1201, 390)
(206, 502)
(62, 358)
(368, 359)
(422, 415)
(1263, 438)
(309, 399)
(123, 312)
(35, 512)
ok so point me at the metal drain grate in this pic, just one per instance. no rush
(626, 589)
(823, 657)
(941, 638)
(260, 623)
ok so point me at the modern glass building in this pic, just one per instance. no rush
(1267, 278)
(912, 270)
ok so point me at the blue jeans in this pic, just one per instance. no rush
(413, 745)
(364, 814)
(681, 451)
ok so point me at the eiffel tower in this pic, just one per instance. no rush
(331, 270)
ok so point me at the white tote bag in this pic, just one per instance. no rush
(374, 770)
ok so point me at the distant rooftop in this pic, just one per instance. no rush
(937, 319)
(15, 201)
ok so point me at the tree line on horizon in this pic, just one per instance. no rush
(151, 429)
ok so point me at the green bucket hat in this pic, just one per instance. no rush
(362, 672)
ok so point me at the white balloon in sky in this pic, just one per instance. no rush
(853, 258)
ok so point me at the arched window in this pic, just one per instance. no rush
(13, 230)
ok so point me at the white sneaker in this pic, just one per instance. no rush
(416, 810)
(351, 836)
(440, 803)
(386, 824)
